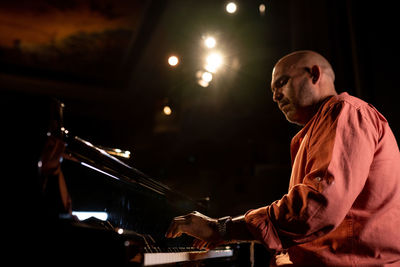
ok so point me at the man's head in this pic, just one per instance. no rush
(300, 82)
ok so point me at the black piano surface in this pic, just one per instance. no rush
(139, 208)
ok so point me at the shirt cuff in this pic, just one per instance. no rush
(260, 226)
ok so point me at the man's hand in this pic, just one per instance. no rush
(195, 224)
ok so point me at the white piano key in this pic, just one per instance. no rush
(173, 257)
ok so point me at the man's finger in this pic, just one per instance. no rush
(198, 243)
(195, 243)
(172, 231)
(175, 228)
(210, 245)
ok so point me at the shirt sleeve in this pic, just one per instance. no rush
(338, 154)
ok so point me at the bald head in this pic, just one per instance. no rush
(308, 58)
(301, 81)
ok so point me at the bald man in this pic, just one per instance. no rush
(343, 203)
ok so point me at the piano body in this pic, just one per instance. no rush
(137, 209)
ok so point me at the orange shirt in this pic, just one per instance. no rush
(343, 203)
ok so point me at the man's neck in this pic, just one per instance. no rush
(315, 108)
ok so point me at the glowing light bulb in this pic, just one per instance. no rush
(213, 62)
(202, 83)
(210, 42)
(167, 110)
(261, 8)
(173, 60)
(207, 77)
(231, 7)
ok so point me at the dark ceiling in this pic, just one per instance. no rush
(107, 61)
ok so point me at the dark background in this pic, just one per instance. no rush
(107, 61)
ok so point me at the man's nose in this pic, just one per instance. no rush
(277, 95)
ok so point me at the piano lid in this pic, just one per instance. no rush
(96, 158)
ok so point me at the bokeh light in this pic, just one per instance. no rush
(167, 110)
(261, 8)
(231, 7)
(210, 42)
(207, 76)
(173, 60)
(213, 62)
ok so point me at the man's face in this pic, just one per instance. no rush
(293, 91)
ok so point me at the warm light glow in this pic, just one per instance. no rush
(120, 231)
(231, 7)
(213, 62)
(31, 25)
(167, 110)
(261, 8)
(173, 60)
(204, 78)
(210, 42)
(202, 83)
(120, 153)
(207, 77)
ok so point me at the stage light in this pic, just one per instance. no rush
(202, 83)
(210, 42)
(231, 7)
(213, 62)
(167, 110)
(261, 8)
(206, 76)
(173, 60)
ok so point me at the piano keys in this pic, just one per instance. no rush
(152, 259)
(88, 243)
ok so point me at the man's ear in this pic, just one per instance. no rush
(315, 72)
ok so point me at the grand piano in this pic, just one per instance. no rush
(60, 176)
